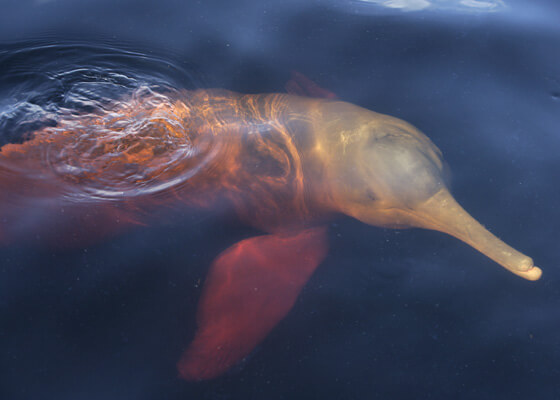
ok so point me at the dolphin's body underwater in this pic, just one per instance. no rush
(285, 164)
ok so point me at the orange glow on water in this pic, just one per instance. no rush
(152, 150)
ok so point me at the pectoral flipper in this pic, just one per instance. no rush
(250, 287)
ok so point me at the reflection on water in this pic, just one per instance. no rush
(454, 5)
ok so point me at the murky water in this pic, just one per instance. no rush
(99, 302)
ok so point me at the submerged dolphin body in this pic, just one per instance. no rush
(285, 164)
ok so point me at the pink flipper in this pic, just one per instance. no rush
(301, 85)
(250, 287)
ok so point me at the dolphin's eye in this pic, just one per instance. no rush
(370, 195)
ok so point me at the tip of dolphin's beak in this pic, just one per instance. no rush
(533, 273)
(442, 213)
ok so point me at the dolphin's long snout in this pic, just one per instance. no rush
(442, 213)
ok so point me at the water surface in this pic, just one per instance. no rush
(390, 314)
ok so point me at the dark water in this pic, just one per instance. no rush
(389, 314)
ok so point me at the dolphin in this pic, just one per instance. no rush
(286, 164)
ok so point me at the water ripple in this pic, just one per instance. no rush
(89, 123)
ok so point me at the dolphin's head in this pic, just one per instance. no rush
(384, 172)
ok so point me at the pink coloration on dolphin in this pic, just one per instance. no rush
(285, 163)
